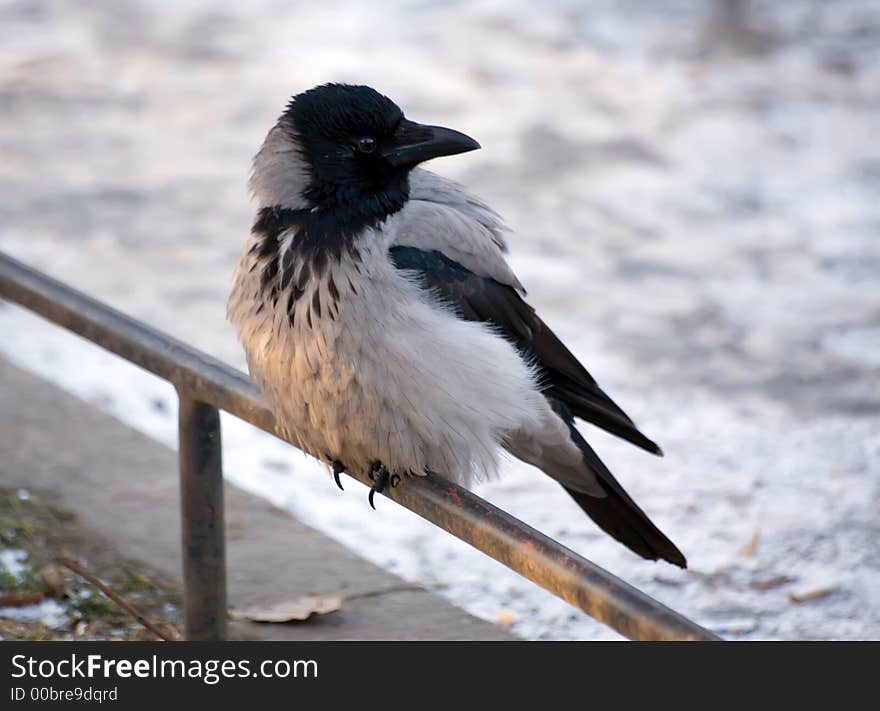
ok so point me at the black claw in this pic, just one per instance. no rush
(338, 468)
(380, 476)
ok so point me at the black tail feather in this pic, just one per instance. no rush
(618, 515)
(608, 420)
(621, 518)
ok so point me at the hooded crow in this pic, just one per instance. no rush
(387, 331)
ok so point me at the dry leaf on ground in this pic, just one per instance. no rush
(798, 596)
(749, 550)
(297, 610)
(774, 581)
(54, 580)
(506, 619)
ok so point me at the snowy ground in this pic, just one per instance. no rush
(695, 210)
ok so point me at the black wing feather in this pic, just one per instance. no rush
(484, 299)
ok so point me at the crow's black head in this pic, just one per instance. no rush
(358, 146)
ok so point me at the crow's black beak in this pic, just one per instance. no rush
(414, 143)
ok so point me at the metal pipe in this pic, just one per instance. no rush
(203, 541)
(545, 562)
(205, 377)
(540, 559)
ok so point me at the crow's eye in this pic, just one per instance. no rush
(367, 144)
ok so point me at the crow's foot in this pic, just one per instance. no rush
(338, 468)
(380, 477)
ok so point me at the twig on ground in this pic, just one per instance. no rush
(72, 565)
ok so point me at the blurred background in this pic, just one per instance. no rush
(694, 189)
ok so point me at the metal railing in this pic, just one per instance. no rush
(205, 385)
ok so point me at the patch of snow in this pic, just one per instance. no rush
(13, 561)
(49, 612)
